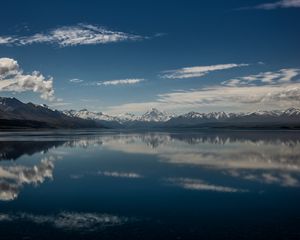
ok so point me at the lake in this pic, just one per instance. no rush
(150, 185)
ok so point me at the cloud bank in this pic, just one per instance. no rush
(12, 79)
(278, 90)
(81, 34)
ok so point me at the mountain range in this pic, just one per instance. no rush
(16, 114)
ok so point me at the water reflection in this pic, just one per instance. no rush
(163, 185)
(265, 158)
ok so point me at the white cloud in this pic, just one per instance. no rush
(276, 90)
(12, 79)
(121, 82)
(76, 80)
(198, 71)
(279, 4)
(8, 67)
(81, 34)
(6, 40)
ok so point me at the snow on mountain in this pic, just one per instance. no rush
(192, 115)
(211, 116)
(127, 117)
(154, 115)
(86, 114)
(157, 116)
(217, 115)
(292, 112)
(291, 115)
(263, 113)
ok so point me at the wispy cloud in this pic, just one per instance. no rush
(276, 77)
(198, 71)
(279, 89)
(119, 174)
(81, 34)
(121, 81)
(76, 80)
(60, 104)
(12, 79)
(278, 4)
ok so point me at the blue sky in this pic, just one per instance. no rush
(129, 56)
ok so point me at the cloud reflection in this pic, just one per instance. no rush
(200, 185)
(69, 221)
(282, 179)
(13, 178)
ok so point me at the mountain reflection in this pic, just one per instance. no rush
(12, 150)
(269, 158)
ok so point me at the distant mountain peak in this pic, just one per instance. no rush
(155, 115)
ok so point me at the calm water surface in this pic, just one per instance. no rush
(150, 185)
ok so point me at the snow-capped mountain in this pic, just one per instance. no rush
(154, 115)
(217, 115)
(86, 114)
(256, 118)
(127, 117)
